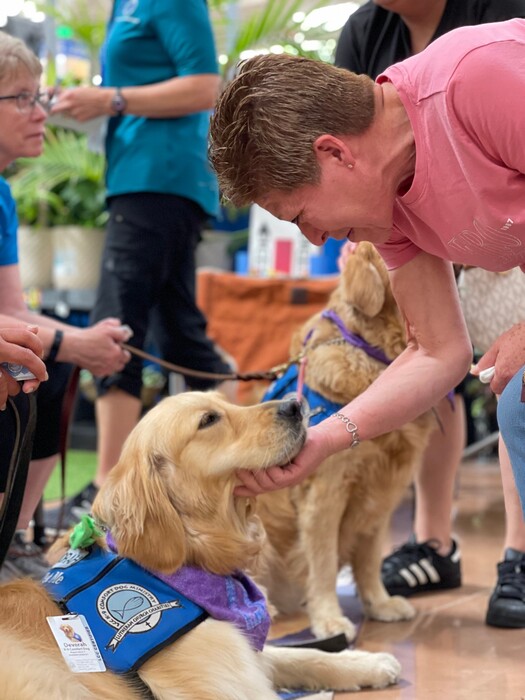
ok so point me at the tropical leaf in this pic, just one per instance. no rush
(273, 23)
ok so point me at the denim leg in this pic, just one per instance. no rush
(511, 420)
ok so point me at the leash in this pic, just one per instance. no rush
(25, 422)
(270, 374)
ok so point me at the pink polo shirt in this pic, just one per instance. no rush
(465, 97)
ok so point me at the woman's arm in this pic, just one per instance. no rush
(97, 348)
(172, 98)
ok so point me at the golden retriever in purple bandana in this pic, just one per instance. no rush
(340, 514)
(169, 507)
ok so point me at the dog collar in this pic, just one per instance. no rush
(354, 339)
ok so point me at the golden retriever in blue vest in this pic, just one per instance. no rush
(169, 507)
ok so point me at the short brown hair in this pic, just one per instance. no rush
(15, 57)
(268, 117)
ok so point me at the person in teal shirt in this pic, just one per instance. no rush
(160, 79)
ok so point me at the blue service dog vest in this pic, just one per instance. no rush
(131, 613)
(317, 407)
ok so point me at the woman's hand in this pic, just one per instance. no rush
(98, 348)
(20, 346)
(83, 103)
(506, 355)
(313, 453)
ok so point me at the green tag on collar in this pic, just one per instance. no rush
(84, 533)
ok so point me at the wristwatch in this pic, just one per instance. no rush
(119, 102)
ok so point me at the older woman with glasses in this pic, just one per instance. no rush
(23, 110)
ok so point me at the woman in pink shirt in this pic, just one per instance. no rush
(428, 163)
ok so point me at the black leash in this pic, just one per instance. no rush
(18, 469)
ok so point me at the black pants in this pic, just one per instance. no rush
(148, 282)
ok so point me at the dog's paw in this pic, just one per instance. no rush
(332, 626)
(392, 609)
(386, 671)
(368, 670)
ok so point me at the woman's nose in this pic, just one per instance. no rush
(313, 234)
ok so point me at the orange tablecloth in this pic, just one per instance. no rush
(253, 319)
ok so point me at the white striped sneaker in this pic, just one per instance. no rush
(416, 567)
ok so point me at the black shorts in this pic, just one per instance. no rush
(148, 282)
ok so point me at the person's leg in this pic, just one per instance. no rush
(22, 558)
(507, 603)
(25, 558)
(431, 560)
(506, 606)
(177, 324)
(132, 267)
(514, 522)
(129, 280)
(434, 484)
(511, 421)
(117, 413)
(37, 477)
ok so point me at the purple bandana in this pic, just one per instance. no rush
(232, 598)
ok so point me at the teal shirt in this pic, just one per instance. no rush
(150, 41)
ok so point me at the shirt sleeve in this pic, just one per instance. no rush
(398, 250)
(8, 226)
(185, 31)
(487, 95)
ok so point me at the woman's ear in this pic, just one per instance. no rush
(328, 147)
(134, 505)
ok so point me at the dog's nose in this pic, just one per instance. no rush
(290, 409)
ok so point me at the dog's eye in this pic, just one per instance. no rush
(209, 419)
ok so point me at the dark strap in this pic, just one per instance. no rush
(66, 415)
(17, 474)
(186, 372)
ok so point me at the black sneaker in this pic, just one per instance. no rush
(507, 602)
(416, 567)
(73, 510)
(23, 559)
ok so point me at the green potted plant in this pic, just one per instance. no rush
(61, 208)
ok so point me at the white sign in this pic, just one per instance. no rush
(276, 248)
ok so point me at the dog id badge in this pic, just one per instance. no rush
(76, 643)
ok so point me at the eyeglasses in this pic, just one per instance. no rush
(25, 101)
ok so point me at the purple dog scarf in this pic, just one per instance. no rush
(233, 598)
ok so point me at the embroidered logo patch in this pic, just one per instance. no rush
(130, 609)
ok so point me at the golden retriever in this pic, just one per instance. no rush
(340, 515)
(169, 503)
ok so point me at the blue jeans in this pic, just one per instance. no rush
(511, 420)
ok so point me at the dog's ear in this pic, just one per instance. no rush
(134, 504)
(363, 283)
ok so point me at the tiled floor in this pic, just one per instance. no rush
(447, 651)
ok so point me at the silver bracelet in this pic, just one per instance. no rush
(350, 427)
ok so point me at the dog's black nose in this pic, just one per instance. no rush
(290, 409)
